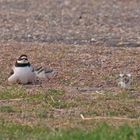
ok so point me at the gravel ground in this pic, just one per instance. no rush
(89, 43)
(108, 22)
(77, 31)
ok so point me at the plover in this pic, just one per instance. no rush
(125, 80)
(22, 72)
(45, 73)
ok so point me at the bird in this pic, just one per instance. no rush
(45, 73)
(125, 80)
(22, 72)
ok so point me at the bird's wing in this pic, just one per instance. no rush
(48, 71)
(44, 72)
(39, 68)
(32, 69)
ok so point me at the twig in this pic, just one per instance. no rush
(114, 118)
(52, 99)
(16, 99)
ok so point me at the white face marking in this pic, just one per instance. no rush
(22, 61)
(23, 57)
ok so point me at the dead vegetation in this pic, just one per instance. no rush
(89, 43)
(86, 84)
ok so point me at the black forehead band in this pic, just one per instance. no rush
(23, 55)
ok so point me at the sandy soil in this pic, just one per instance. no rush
(88, 42)
(107, 22)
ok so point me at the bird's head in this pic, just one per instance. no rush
(22, 61)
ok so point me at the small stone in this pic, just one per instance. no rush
(92, 39)
(29, 35)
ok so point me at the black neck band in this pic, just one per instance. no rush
(22, 65)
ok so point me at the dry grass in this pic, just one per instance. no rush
(89, 43)
(86, 84)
